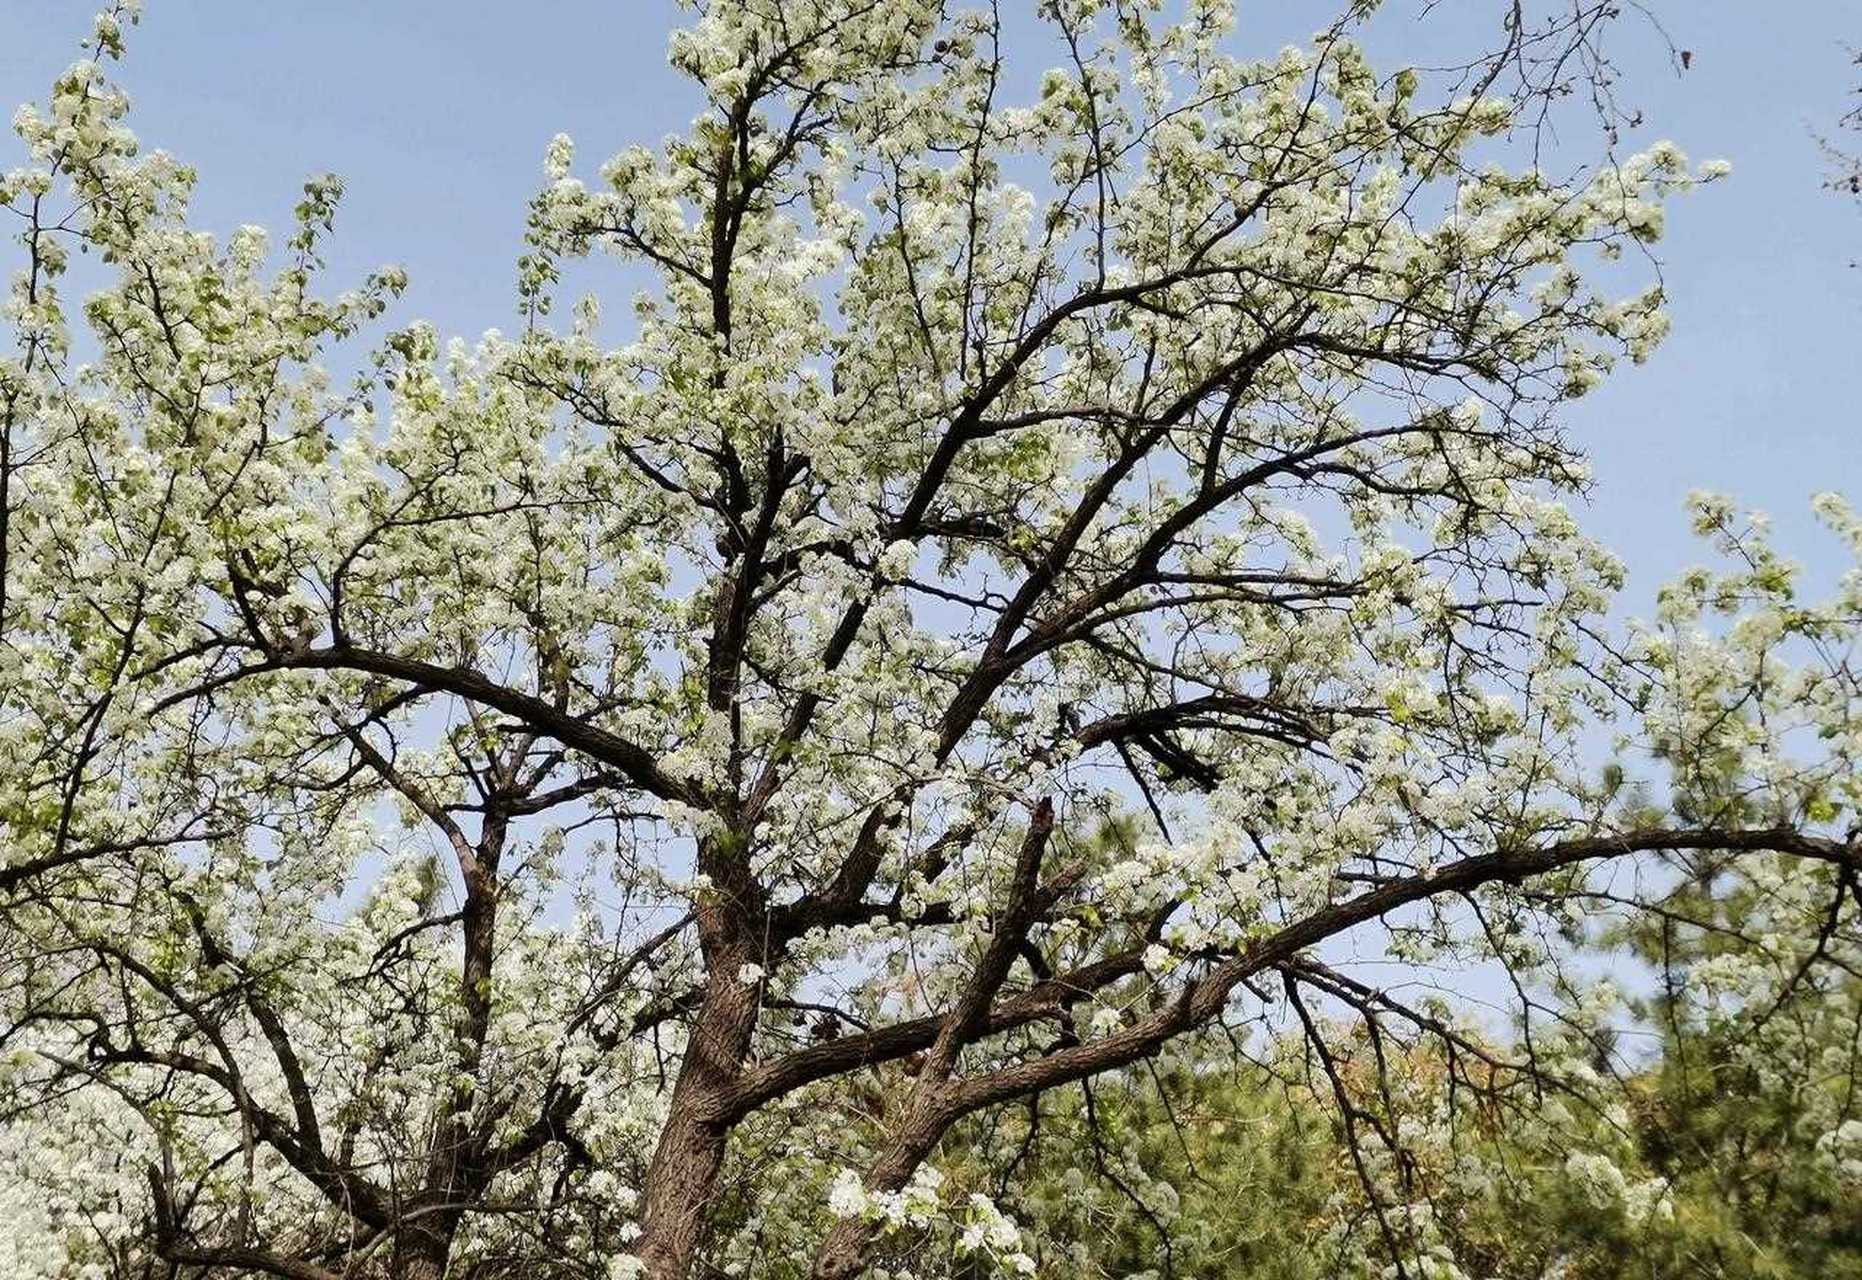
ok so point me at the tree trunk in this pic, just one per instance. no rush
(683, 1175)
(424, 1257)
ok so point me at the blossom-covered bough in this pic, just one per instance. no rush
(1036, 576)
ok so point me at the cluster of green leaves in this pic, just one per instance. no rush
(1240, 1171)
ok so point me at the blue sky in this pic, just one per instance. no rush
(437, 116)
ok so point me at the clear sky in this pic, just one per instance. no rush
(437, 115)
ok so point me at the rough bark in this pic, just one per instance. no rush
(683, 1175)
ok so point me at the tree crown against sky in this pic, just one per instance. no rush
(1038, 580)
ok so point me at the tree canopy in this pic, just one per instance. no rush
(1036, 590)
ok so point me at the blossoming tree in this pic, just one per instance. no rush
(1034, 582)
